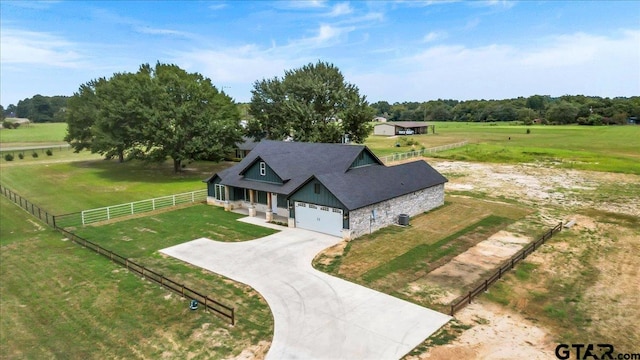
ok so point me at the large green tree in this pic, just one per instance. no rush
(153, 114)
(190, 118)
(313, 103)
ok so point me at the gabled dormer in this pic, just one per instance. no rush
(365, 158)
(259, 170)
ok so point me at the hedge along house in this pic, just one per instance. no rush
(341, 190)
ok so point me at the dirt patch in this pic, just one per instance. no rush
(469, 267)
(496, 333)
(539, 186)
(257, 352)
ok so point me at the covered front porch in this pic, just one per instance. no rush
(262, 215)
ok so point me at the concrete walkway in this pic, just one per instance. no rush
(317, 316)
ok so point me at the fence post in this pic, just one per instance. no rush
(233, 316)
(174, 200)
(486, 285)
(82, 216)
(153, 203)
(54, 221)
(108, 214)
(131, 208)
(193, 196)
(469, 297)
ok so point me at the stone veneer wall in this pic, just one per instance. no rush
(387, 212)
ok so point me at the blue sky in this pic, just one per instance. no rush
(391, 50)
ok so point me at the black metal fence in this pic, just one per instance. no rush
(30, 207)
(217, 307)
(506, 266)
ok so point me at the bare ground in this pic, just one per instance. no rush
(506, 332)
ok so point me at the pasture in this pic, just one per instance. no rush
(598, 148)
(110, 312)
(34, 134)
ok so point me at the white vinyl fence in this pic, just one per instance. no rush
(418, 153)
(136, 207)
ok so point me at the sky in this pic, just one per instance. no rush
(394, 51)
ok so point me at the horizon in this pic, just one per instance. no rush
(401, 51)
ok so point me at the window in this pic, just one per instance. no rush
(263, 168)
(316, 188)
(219, 192)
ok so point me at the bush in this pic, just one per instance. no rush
(21, 156)
(528, 131)
(34, 154)
(49, 152)
(8, 157)
(7, 124)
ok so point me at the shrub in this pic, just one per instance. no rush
(16, 125)
(8, 157)
(7, 124)
(528, 131)
(21, 156)
(34, 154)
(49, 152)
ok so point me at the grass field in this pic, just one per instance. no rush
(390, 258)
(60, 300)
(79, 305)
(34, 134)
(599, 148)
(73, 186)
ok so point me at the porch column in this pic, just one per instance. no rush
(252, 206)
(227, 205)
(269, 216)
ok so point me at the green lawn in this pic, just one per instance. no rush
(74, 186)
(60, 300)
(142, 237)
(599, 148)
(34, 134)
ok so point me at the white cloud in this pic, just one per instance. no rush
(157, 31)
(566, 64)
(340, 10)
(433, 36)
(38, 48)
(217, 6)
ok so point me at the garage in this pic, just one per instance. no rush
(318, 218)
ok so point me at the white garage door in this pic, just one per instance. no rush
(319, 218)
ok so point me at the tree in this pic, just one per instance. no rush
(2, 115)
(189, 119)
(81, 114)
(153, 114)
(312, 103)
(124, 106)
(562, 112)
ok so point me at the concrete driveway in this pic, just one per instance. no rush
(317, 316)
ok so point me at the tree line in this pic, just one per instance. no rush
(38, 109)
(568, 109)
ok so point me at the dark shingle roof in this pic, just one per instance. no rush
(372, 184)
(296, 163)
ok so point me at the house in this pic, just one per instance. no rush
(244, 148)
(380, 119)
(338, 189)
(402, 128)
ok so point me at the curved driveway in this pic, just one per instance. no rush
(317, 316)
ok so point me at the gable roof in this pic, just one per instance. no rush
(298, 163)
(293, 162)
(364, 186)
